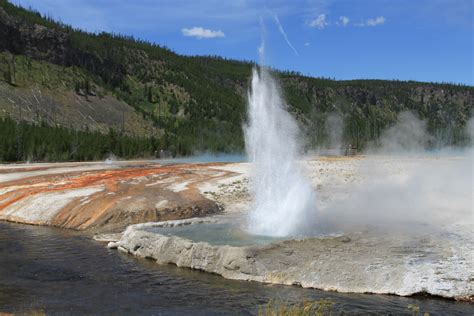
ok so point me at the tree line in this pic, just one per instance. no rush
(24, 141)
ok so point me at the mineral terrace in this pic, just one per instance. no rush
(104, 196)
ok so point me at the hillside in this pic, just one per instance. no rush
(57, 76)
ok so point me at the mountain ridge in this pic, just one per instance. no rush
(106, 81)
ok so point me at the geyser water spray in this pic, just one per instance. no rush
(284, 202)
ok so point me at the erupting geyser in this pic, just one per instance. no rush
(284, 202)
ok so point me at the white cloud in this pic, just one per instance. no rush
(319, 22)
(344, 20)
(372, 22)
(200, 33)
(375, 21)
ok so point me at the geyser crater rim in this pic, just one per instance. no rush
(226, 233)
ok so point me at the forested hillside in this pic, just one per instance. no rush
(57, 77)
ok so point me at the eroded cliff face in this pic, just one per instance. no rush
(105, 196)
(33, 40)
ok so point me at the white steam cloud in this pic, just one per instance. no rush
(470, 130)
(408, 135)
(401, 185)
(427, 191)
(334, 129)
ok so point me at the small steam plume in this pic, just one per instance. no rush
(411, 188)
(470, 130)
(408, 135)
(394, 193)
(334, 129)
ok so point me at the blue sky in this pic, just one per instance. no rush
(424, 40)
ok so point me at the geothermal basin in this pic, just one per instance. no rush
(373, 250)
(381, 237)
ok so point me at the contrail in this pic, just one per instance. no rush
(283, 33)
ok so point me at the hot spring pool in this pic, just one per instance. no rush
(217, 234)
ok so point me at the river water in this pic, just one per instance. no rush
(56, 271)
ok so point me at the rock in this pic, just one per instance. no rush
(123, 249)
(108, 237)
(363, 264)
(112, 245)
